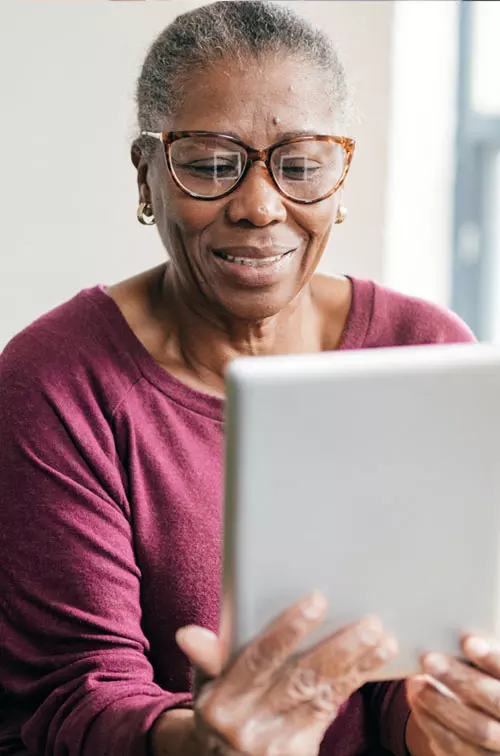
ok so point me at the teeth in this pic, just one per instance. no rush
(252, 263)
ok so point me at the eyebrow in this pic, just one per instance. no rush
(291, 134)
(284, 135)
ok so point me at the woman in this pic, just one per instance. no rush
(112, 428)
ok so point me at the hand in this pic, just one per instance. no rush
(268, 702)
(466, 723)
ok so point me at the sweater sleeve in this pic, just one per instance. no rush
(74, 656)
(398, 320)
(388, 713)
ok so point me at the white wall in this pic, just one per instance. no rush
(422, 125)
(68, 195)
(363, 32)
(68, 199)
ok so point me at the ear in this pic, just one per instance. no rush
(141, 165)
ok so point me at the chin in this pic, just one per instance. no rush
(254, 306)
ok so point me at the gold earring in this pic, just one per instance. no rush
(341, 214)
(145, 214)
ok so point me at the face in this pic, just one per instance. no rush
(260, 105)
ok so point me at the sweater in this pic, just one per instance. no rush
(110, 530)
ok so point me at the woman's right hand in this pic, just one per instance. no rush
(270, 701)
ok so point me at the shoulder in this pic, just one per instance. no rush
(397, 319)
(69, 353)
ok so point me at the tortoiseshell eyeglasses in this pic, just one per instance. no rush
(208, 165)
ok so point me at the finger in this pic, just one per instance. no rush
(484, 652)
(472, 726)
(202, 648)
(415, 686)
(302, 690)
(471, 685)
(262, 657)
(339, 653)
(299, 707)
(445, 742)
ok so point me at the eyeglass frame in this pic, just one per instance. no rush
(253, 156)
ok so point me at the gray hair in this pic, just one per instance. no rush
(236, 30)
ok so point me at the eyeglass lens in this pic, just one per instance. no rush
(209, 166)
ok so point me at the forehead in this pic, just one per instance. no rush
(258, 101)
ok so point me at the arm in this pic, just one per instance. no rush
(73, 652)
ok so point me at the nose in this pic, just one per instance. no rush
(256, 200)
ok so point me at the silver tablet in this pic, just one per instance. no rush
(373, 476)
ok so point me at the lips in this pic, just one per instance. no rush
(252, 262)
(253, 257)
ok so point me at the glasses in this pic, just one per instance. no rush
(208, 165)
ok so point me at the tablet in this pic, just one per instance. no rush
(373, 476)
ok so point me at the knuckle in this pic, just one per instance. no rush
(301, 684)
(489, 692)
(345, 686)
(488, 734)
(270, 650)
(495, 703)
(373, 660)
(257, 658)
(326, 700)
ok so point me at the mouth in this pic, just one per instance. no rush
(253, 261)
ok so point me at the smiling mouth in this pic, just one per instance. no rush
(253, 262)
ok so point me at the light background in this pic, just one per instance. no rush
(68, 195)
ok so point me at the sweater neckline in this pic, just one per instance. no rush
(353, 337)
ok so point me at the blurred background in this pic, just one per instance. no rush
(423, 195)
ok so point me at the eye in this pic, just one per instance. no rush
(212, 169)
(299, 167)
(218, 167)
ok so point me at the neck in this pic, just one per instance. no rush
(201, 344)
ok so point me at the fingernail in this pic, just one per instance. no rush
(477, 647)
(436, 664)
(191, 631)
(389, 650)
(442, 689)
(314, 606)
(383, 654)
(369, 633)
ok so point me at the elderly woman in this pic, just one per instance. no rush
(111, 436)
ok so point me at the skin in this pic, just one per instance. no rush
(194, 318)
(198, 319)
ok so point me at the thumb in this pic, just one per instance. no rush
(414, 686)
(203, 649)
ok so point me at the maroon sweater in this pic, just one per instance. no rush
(110, 520)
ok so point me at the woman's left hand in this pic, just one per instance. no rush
(468, 722)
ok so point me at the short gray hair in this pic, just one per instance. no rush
(237, 30)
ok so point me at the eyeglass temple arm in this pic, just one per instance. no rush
(154, 134)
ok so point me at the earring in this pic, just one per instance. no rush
(341, 214)
(145, 214)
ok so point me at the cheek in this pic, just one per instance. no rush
(175, 208)
(316, 221)
(183, 220)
